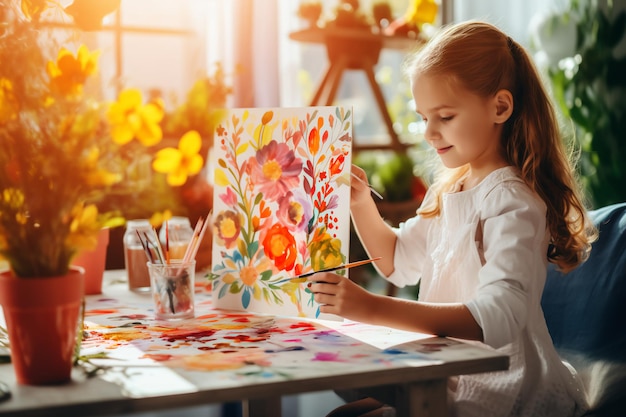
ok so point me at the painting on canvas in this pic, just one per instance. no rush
(281, 205)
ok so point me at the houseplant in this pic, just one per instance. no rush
(68, 165)
(590, 89)
(63, 152)
(57, 162)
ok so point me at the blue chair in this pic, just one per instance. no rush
(585, 312)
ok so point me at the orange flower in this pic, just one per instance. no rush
(69, 73)
(280, 246)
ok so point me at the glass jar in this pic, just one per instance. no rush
(135, 257)
(180, 233)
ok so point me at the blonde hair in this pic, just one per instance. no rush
(485, 60)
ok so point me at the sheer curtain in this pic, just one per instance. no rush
(243, 35)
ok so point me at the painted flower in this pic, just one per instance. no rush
(130, 118)
(228, 225)
(248, 275)
(180, 163)
(229, 198)
(69, 73)
(325, 251)
(280, 246)
(274, 170)
(264, 131)
(336, 164)
(294, 211)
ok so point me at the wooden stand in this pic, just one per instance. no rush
(355, 49)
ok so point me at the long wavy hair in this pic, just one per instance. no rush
(485, 60)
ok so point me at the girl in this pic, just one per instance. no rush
(505, 205)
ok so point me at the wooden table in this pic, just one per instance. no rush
(226, 356)
(355, 49)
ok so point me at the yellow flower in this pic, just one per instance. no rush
(33, 8)
(84, 227)
(8, 103)
(158, 218)
(180, 163)
(130, 118)
(98, 177)
(12, 198)
(69, 73)
(422, 11)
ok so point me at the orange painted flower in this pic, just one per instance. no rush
(228, 225)
(180, 163)
(280, 246)
(130, 118)
(336, 164)
(69, 73)
(248, 275)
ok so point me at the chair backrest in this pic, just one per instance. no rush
(585, 309)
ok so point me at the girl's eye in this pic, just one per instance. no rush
(447, 118)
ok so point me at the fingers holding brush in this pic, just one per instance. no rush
(339, 295)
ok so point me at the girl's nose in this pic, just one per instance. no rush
(430, 133)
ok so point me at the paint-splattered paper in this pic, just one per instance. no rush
(281, 205)
(221, 349)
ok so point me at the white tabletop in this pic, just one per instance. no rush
(223, 356)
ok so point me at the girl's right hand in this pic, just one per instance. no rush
(359, 187)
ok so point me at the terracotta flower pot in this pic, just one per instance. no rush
(42, 317)
(94, 263)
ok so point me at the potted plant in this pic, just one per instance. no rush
(63, 153)
(68, 162)
(590, 88)
(56, 163)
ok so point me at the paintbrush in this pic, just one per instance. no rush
(303, 277)
(376, 193)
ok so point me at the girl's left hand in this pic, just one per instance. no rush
(339, 295)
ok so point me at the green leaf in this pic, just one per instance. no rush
(266, 275)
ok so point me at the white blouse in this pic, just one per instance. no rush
(488, 249)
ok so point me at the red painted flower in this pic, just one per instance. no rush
(280, 246)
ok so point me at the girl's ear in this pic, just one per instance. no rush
(504, 106)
